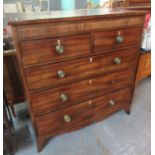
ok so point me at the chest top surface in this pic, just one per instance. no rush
(70, 15)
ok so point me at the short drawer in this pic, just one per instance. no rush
(52, 75)
(52, 49)
(77, 116)
(114, 39)
(61, 97)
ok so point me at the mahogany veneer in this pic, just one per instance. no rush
(144, 66)
(78, 67)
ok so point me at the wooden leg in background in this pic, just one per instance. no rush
(127, 110)
(40, 144)
(12, 109)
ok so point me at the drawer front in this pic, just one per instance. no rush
(61, 97)
(108, 23)
(46, 30)
(44, 50)
(114, 39)
(53, 75)
(79, 115)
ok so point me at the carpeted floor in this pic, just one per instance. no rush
(120, 134)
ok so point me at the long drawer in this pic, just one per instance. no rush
(48, 30)
(114, 39)
(79, 115)
(68, 95)
(52, 75)
(44, 50)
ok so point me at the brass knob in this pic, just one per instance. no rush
(67, 118)
(112, 102)
(64, 97)
(59, 48)
(119, 38)
(117, 60)
(61, 74)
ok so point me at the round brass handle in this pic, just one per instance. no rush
(61, 74)
(112, 102)
(119, 38)
(59, 49)
(64, 97)
(67, 118)
(117, 60)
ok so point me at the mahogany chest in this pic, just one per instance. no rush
(78, 67)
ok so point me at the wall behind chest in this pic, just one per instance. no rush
(54, 4)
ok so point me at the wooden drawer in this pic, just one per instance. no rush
(44, 50)
(110, 23)
(114, 39)
(81, 91)
(48, 30)
(52, 75)
(79, 115)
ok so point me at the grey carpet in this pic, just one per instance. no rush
(120, 134)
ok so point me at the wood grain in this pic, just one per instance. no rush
(80, 91)
(81, 114)
(45, 76)
(43, 50)
(144, 66)
(39, 31)
(105, 40)
(139, 2)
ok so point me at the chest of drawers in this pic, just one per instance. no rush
(78, 67)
